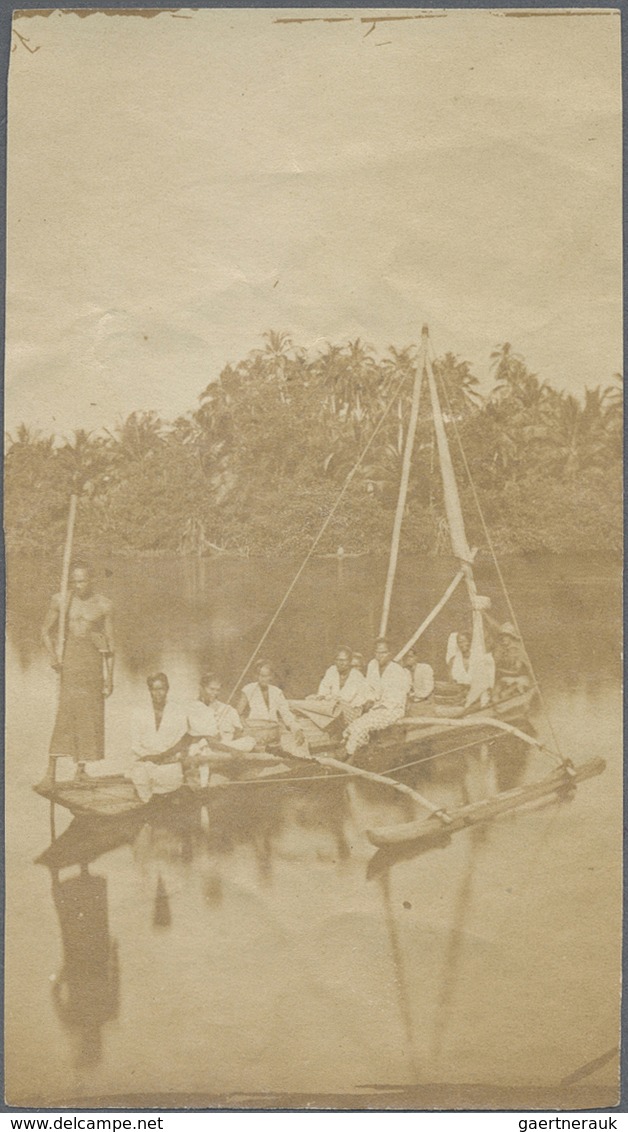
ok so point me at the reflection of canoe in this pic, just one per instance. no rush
(85, 841)
(114, 796)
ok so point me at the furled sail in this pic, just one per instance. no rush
(481, 667)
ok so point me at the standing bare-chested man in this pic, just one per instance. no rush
(86, 668)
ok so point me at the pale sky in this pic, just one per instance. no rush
(179, 184)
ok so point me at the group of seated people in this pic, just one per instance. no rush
(172, 745)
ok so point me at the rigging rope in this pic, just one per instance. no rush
(288, 780)
(513, 615)
(320, 534)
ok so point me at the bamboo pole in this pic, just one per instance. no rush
(369, 775)
(401, 501)
(453, 585)
(499, 724)
(65, 576)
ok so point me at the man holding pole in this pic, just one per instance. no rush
(83, 655)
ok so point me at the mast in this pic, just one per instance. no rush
(401, 501)
(482, 677)
(453, 510)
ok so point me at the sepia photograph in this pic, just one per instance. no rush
(313, 522)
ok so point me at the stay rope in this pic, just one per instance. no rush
(336, 775)
(321, 532)
(489, 542)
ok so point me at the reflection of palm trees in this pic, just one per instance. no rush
(86, 990)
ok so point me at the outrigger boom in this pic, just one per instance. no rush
(560, 781)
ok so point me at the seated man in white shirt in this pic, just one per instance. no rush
(388, 687)
(421, 676)
(342, 693)
(263, 702)
(159, 742)
(344, 685)
(458, 660)
(215, 728)
(218, 723)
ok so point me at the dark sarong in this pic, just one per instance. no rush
(80, 725)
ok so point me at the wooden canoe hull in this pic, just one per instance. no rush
(434, 830)
(412, 732)
(114, 796)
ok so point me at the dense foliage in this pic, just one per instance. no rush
(258, 465)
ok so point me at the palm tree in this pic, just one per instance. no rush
(397, 365)
(612, 410)
(28, 458)
(460, 384)
(329, 370)
(564, 435)
(84, 463)
(503, 360)
(138, 437)
(360, 385)
(277, 358)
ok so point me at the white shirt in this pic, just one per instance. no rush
(215, 720)
(422, 678)
(277, 707)
(390, 687)
(148, 739)
(459, 668)
(353, 691)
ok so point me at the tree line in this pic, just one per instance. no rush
(257, 464)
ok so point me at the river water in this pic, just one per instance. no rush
(253, 953)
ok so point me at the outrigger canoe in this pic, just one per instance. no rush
(418, 737)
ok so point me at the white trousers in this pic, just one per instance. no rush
(152, 778)
(377, 719)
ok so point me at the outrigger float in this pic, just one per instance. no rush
(419, 737)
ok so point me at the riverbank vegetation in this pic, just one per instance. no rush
(256, 466)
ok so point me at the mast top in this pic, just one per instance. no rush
(425, 333)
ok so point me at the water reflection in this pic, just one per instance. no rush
(326, 965)
(86, 989)
(214, 611)
(454, 944)
(315, 821)
(459, 777)
(404, 998)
